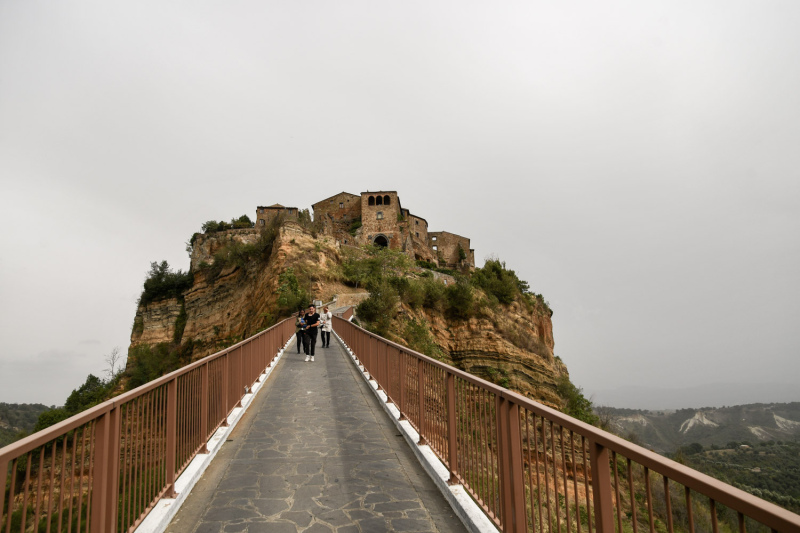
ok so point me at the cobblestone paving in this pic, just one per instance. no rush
(315, 453)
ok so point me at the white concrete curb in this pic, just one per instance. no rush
(472, 516)
(160, 517)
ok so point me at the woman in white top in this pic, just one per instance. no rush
(327, 325)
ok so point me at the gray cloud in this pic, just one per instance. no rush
(635, 163)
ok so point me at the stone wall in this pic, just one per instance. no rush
(446, 247)
(380, 219)
(205, 245)
(336, 214)
(265, 215)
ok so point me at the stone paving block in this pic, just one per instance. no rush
(272, 527)
(269, 507)
(319, 528)
(301, 518)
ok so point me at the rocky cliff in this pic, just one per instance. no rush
(238, 298)
(232, 298)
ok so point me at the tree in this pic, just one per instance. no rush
(114, 362)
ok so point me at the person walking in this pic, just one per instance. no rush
(312, 323)
(327, 326)
(299, 327)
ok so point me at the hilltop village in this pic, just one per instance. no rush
(378, 217)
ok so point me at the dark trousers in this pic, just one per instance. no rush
(325, 336)
(311, 339)
(299, 340)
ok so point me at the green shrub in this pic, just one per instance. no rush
(240, 254)
(213, 226)
(180, 324)
(414, 295)
(51, 417)
(497, 281)
(163, 283)
(434, 297)
(419, 338)
(373, 264)
(460, 299)
(146, 363)
(291, 295)
(93, 391)
(354, 225)
(425, 264)
(379, 309)
(575, 404)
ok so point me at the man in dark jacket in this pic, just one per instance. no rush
(312, 323)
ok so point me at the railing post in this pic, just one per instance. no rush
(421, 399)
(601, 488)
(106, 472)
(505, 508)
(452, 444)
(240, 375)
(172, 436)
(402, 377)
(518, 517)
(204, 407)
(3, 477)
(225, 373)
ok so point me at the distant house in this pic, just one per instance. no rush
(265, 215)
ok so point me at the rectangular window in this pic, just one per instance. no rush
(417, 234)
(416, 222)
(435, 248)
(433, 238)
(380, 215)
(341, 205)
(261, 221)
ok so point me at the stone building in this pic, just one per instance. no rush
(265, 215)
(452, 250)
(378, 217)
(338, 215)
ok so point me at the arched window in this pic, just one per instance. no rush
(371, 200)
(386, 200)
(380, 215)
(379, 200)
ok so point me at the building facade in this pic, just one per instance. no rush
(265, 215)
(378, 217)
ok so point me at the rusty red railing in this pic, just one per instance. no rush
(347, 313)
(103, 470)
(532, 468)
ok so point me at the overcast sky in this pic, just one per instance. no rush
(635, 162)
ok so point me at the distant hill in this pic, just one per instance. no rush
(16, 418)
(666, 431)
(769, 470)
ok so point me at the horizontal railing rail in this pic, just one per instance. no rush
(104, 469)
(532, 468)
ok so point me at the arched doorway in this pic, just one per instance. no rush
(381, 240)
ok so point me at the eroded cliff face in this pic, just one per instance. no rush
(241, 300)
(511, 345)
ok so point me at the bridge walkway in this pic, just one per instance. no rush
(315, 452)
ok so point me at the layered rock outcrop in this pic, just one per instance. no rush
(511, 345)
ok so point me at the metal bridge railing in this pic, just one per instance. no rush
(103, 470)
(531, 468)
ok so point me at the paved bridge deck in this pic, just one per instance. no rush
(315, 452)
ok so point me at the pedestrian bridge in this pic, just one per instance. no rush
(370, 437)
